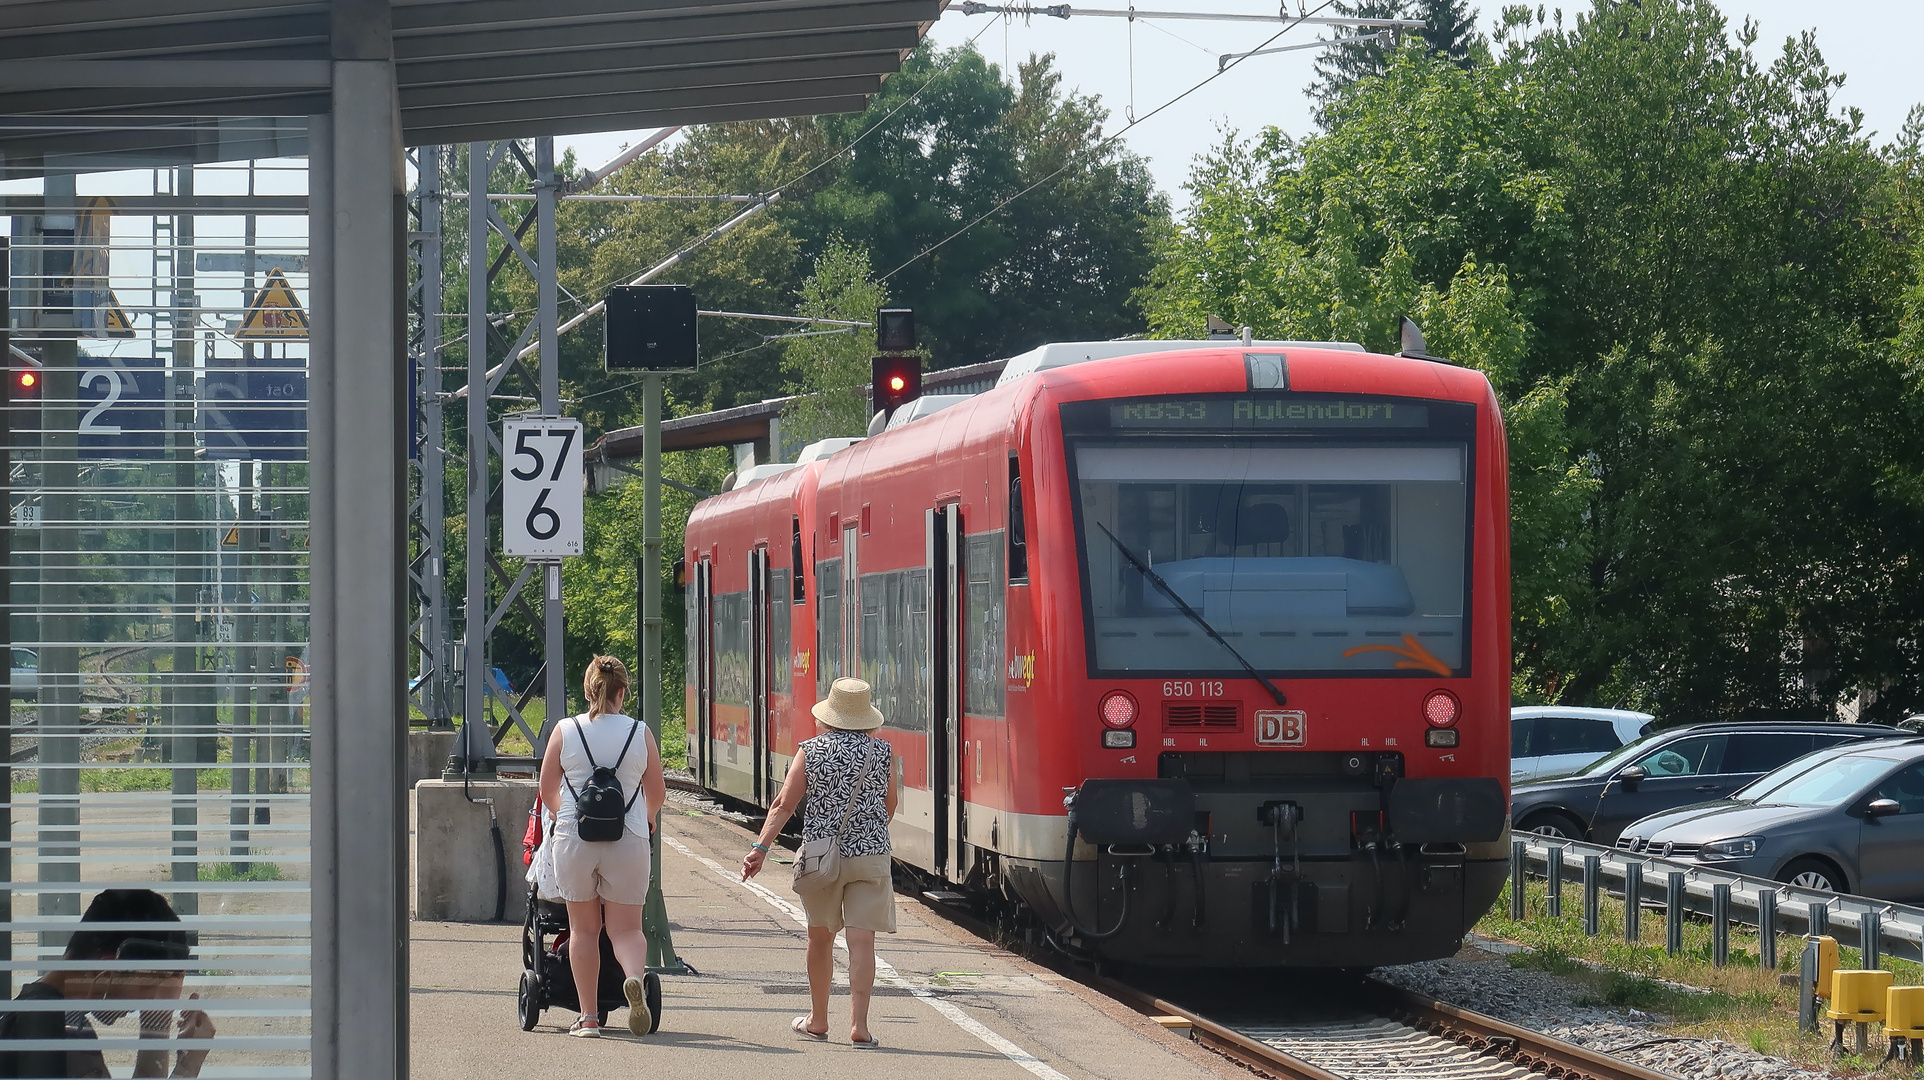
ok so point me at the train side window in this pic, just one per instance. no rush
(799, 581)
(828, 625)
(982, 625)
(1018, 528)
(780, 625)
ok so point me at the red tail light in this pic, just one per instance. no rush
(1441, 709)
(1118, 709)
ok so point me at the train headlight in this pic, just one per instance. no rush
(1118, 740)
(1441, 709)
(1118, 709)
(1443, 738)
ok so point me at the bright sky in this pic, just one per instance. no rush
(1868, 40)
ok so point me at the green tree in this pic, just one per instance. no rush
(1450, 30)
(1356, 53)
(1060, 263)
(829, 370)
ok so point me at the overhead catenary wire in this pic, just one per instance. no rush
(1221, 70)
(1064, 11)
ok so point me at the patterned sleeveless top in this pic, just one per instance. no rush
(832, 760)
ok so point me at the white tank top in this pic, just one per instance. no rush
(604, 734)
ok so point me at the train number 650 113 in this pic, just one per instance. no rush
(1192, 689)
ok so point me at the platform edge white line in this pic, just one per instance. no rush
(887, 973)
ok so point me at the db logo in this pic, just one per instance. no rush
(1278, 728)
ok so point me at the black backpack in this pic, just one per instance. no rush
(600, 809)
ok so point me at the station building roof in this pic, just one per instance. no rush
(87, 85)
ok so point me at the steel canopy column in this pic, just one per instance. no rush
(433, 450)
(546, 187)
(474, 666)
(358, 558)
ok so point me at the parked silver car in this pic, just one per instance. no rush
(25, 676)
(1555, 740)
(1848, 819)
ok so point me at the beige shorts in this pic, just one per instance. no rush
(863, 896)
(616, 872)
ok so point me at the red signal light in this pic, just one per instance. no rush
(29, 380)
(897, 380)
(1118, 709)
(1441, 709)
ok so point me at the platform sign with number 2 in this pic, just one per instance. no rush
(541, 488)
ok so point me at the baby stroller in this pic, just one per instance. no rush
(546, 980)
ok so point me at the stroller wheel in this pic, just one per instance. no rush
(651, 987)
(528, 1001)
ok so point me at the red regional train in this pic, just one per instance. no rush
(1195, 653)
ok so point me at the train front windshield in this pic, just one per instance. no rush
(1337, 547)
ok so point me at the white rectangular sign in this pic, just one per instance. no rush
(541, 488)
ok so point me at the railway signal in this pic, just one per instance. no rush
(897, 381)
(895, 330)
(24, 384)
(650, 328)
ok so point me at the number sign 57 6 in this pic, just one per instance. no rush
(541, 491)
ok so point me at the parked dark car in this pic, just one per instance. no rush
(1846, 819)
(1668, 769)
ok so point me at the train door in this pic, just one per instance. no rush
(758, 671)
(704, 718)
(945, 691)
(851, 607)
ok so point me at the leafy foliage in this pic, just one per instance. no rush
(830, 371)
(1685, 274)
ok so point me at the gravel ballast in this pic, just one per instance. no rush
(1482, 982)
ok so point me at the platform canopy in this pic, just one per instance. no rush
(89, 85)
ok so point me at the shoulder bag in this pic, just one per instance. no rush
(818, 865)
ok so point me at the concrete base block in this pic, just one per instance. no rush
(428, 752)
(453, 857)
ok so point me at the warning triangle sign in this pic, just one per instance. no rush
(275, 314)
(114, 319)
(232, 539)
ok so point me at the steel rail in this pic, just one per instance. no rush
(1507, 1046)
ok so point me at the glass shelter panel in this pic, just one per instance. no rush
(158, 575)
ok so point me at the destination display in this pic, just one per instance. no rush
(1265, 413)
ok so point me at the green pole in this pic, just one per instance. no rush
(654, 914)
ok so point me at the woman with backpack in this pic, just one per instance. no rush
(602, 774)
(843, 872)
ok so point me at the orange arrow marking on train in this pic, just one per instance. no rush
(1416, 657)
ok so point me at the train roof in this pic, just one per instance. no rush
(1064, 353)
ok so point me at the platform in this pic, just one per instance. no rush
(948, 1005)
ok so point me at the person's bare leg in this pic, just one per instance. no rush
(861, 981)
(624, 933)
(584, 953)
(821, 976)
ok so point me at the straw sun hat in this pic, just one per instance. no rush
(847, 707)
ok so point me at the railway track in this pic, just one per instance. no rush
(1363, 1030)
(1381, 1032)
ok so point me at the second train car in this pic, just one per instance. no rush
(1197, 656)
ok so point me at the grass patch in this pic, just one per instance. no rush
(1741, 1002)
(260, 871)
(95, 781)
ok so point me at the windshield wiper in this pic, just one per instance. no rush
(1194, 615)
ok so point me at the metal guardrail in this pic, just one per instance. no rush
(1681, 887)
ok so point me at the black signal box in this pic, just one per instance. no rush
(650, 328)
(895, 330)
